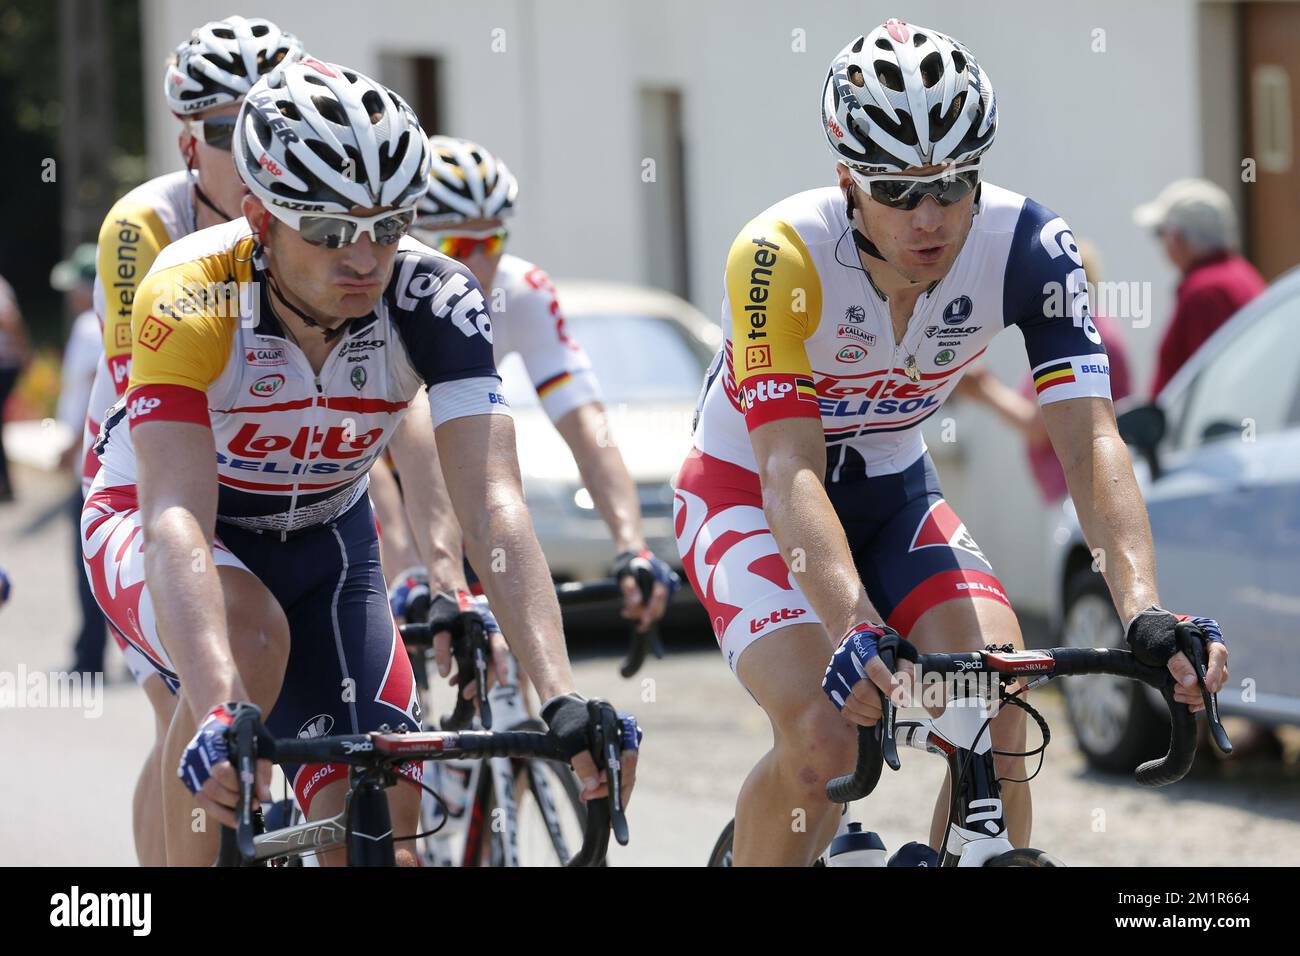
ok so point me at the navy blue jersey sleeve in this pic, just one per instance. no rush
(442, 318)
(1045, 293)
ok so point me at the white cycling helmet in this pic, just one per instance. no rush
(322, 138)
(222, 60)
(905, 96)
(465, 182)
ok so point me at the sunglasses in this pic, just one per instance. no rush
(462, 245)
(217, 132)
(906, 192)
(335, 230)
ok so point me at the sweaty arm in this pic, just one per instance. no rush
(585, 430)
(1099, 473)
(435, 531)
(167, 410)
(774, 304)
(482, 474)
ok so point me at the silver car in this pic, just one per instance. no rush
(1218, 458)
(650, 350)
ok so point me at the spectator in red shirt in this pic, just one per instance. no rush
(1195, 221)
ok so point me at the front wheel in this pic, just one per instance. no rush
(1025, 856)
(721, 855)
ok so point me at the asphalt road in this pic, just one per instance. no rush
(68, 773)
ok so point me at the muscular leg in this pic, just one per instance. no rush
(259, 644)
(147, 804)
(783, 817)
(967, 625)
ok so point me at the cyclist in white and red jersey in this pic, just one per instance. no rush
(205, 83)
(808, 514)
(228, 533)
(471, 194)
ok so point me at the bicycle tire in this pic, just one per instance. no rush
(570, 801)
(1024, 856)
(721, 854)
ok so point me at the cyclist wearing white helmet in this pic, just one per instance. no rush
(205, 82)
(273, 358)
(462, 214)
(810, 518)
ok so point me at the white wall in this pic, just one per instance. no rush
(1089, 134)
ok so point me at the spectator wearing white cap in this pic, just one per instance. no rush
(1195, 221)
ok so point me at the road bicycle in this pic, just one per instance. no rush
(976, 833)
(375, 760)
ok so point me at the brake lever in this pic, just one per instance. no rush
(609, 736)
(888, 746)
(1196, 649)
(640, 643)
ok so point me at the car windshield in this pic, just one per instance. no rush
(637, 358)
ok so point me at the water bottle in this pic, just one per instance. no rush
(854, 846)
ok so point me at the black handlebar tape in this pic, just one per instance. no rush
(595, 835)
(527, 744)
(590, 592)
(865, 775)
(1174, 765)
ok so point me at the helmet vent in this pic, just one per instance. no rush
(931, 70)
(374, 105)
(330, 109)
(224, 33)
(881, 44)
(904, 132)
(260, 29)
(889, 75)
(290, 111)
(857, 46)
(856, 77)
(958, 61)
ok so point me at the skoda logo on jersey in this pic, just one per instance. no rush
(944, 357)
(266, 386)
(855, 314)
(359, 377)
(958, 310)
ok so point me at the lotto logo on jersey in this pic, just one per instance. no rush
(120, 366)
(310, 442)
(452, 297)
(774, 397)
(139, 407)
(785, 614)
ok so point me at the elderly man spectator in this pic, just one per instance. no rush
(1195, 221)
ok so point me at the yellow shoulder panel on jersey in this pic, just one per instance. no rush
(130, 239)
(776, 300)
(185, 318)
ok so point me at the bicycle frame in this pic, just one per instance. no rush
(982, 832)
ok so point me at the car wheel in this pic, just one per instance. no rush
(1115, 723)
